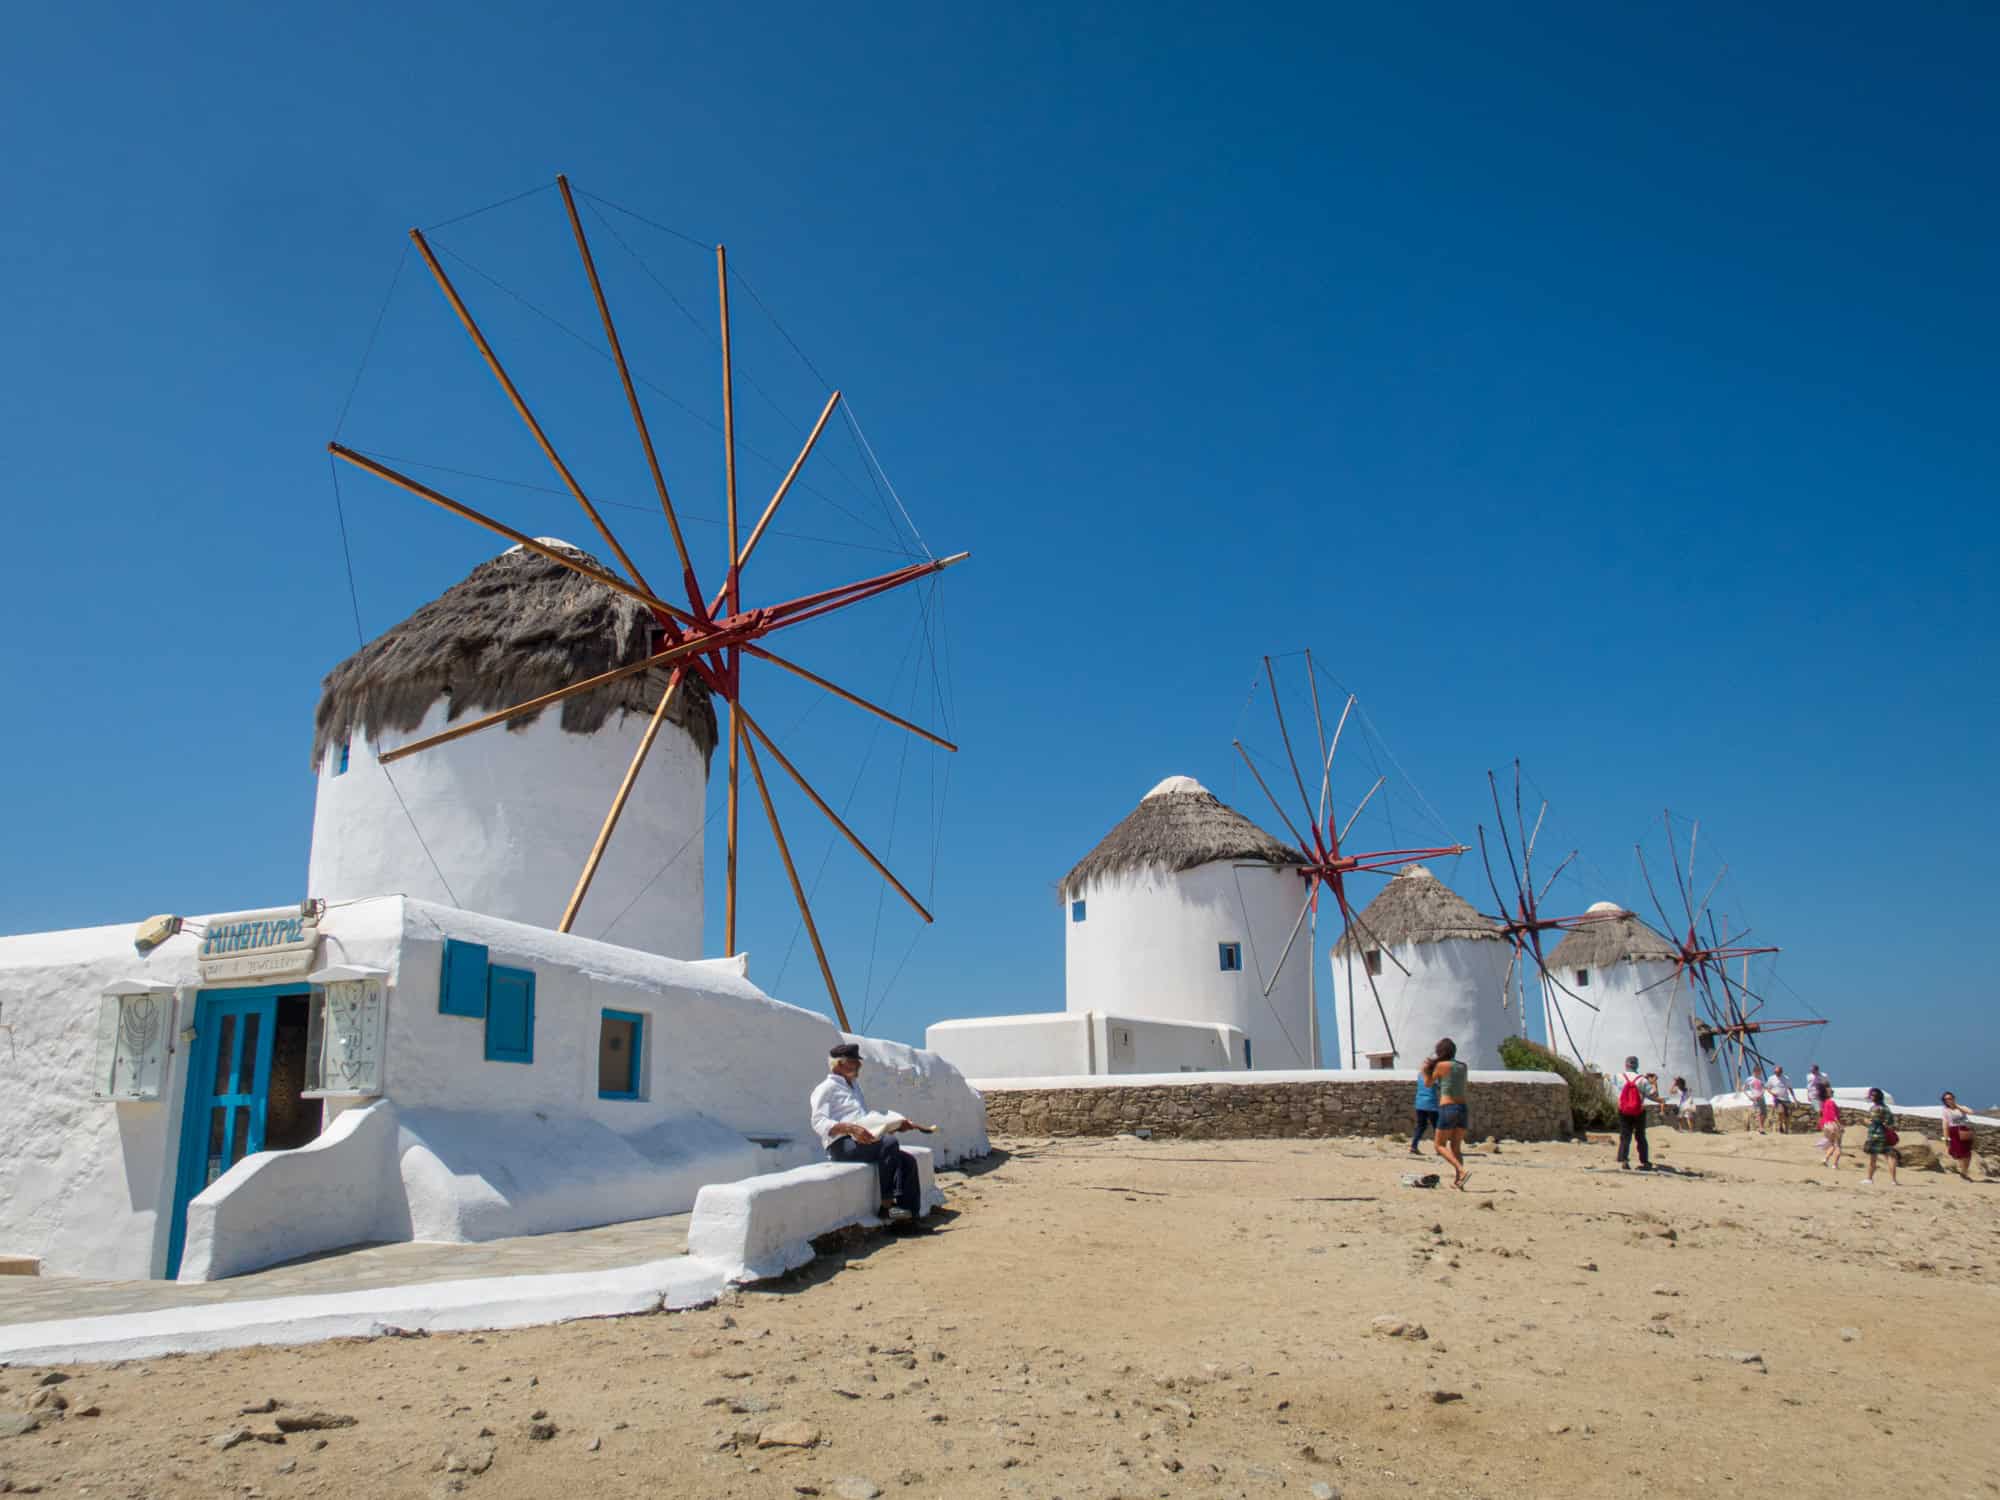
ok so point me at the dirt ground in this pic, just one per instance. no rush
(1139, 1318)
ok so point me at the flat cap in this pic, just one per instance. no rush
(849, 1050)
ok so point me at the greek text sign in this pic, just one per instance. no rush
(260, 945)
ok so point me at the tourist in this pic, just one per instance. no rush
(1453, 1120)
(1829, 1129)
(1817, 1088)
(1779, 1089)
(1753, 1087)
(1427, 1104)
(1683, 1103)
(1634, 1089)
(1957, 1135)
(1881, 1139)
(838, 1112)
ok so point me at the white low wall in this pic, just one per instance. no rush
(764, 1226)
(279, 1205)
(486, 1175)
(1061, 1043)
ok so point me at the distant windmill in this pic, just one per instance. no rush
(1521, 920)
(1324, 864)
(1729, 1011)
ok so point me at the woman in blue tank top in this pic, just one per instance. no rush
(1427, 1103)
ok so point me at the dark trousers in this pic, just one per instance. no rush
(1427, 1119)
(1633, 1128)
(897, 1166)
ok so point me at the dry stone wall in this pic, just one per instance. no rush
(1534, 1107)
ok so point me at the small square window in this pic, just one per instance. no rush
(1371, 960)
(1076, 911)
(1380, 1059)
(1583, 979)
(1232, 956)
(621, 1036)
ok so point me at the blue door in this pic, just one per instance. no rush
(228, 1086)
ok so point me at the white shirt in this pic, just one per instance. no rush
(835, 1102)
(1780, 1088)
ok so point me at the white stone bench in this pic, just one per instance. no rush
(764, 1226)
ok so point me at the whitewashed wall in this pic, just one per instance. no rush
(510, 816)
(1655, 1026)
(1083, 1042)
(85, 1184)
(483, 1148)
(1452, 989)
(1147, 947)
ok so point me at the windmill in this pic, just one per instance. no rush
(1521, 921)
(1729, 1010)
(706, 638)
(1324, 864)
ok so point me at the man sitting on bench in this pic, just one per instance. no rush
(849, 1133)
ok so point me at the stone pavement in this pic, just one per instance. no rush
(33, 1299)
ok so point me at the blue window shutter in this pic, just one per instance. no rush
(510, 1015)
(462, 986)
(1076, 911)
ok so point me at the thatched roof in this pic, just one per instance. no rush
(1416, 907)
(1612, 936)
(1177, 825)
(518, 626)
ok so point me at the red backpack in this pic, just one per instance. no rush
(1629, 1101)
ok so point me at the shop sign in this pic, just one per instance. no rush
(260, 945)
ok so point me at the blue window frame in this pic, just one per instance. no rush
(340, 760)
(1231, 955)
(510, 1015)
(1076, 911)
(462, 985)
(621, 1054)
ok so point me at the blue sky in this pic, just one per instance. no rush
(1607, 387)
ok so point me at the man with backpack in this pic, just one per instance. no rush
(1634, 1088)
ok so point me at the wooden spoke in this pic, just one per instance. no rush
(1382, 1010)
(624, 373)
(729, 891)
(1306, 907)
(1285, 734)
(777, 498)
(840, 692)
(473, 726)
(1379, 782)
(618, 803)
(1332, 749)
(521, 406)
(1319, 728)
(798, 890)
(500, 528)
(1303, 845)
(1555, 873)
(833, 817)
(1387, 952)
(792, 611)
(731, 587)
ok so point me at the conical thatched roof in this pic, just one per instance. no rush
(1177, 825)
(1416, 907)
(1613, 935)
(518, 626)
